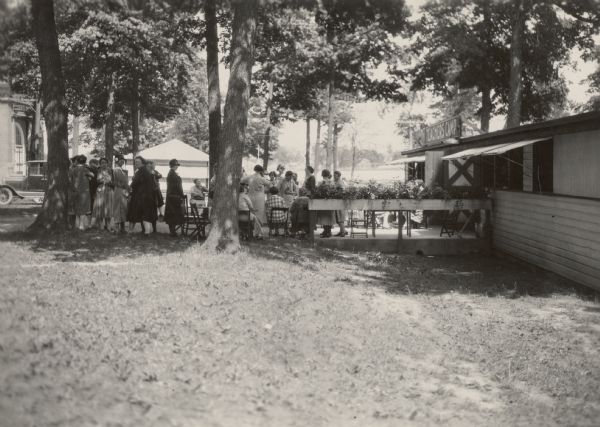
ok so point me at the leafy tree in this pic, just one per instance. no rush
(469, 44)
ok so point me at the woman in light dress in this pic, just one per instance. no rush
(258, 185)
(102, 212)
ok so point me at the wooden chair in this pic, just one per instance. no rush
(276, 225)
(200, 219)
(450, 223)
(358, 222)
(188, 218)
(245, 225)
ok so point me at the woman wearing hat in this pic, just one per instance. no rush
(257, 187)
(174, 214)
(142, 207)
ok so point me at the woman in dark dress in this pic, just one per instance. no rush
(174, 215)
(310, 184)
(142, 206)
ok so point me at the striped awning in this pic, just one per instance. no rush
(492, 150)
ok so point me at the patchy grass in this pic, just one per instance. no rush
(101, 329)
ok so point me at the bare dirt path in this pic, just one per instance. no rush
(159, 333)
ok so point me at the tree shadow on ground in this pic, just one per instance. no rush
(489, 275)
(94, 246)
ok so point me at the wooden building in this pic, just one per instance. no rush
(545, 182)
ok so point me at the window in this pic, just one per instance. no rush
(542, 173)
(19, 158)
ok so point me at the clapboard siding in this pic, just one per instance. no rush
(551, 218)
(575, 243)
(558, 233)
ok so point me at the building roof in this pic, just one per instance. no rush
(174, 149)
(570, 124)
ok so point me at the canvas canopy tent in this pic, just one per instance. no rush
(193, 162)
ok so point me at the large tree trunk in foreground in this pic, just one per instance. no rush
(515, 95)
(214, 93)
(330, 124)
(109, 125)
(307, 153)
(224, 233)
(135, 121)
(267, 136)
(54, 210)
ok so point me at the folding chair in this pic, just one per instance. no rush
(450, 223)
(276, 225)
(360, 223)
(245, 225)
(200, 221)
(188, 218)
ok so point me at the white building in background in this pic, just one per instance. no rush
(193, 162)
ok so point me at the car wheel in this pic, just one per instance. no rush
(6, 196)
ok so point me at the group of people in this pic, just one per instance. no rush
(262, 197)
(102, 197)
(98, 194)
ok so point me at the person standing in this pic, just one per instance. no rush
(257, 187)
(340, 216)
(326, 218)
(174, 215)
(93, 167)
(142, 207)
(81, 183)
(288, 189)
(158, 197)
(310, 183)
(120, 195)
(102, 210)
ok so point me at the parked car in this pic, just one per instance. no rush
(34, 186)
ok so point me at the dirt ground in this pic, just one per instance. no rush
(97, 329)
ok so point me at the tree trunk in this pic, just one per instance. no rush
(307, 153)
(334, 147)
(75, 139)
(214, 94)
(224, 233)
(486, 109)
(486, 100)
(267, 137)
(109, 125)
(53, 215)
(135, 121)
(317, 158)
(353, 161)
(516, 66)
(330, 124)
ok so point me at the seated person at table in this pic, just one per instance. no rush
(276, 218)
(299, 212)
(245, 204)
(198, 193)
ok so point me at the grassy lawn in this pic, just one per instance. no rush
(100, 329)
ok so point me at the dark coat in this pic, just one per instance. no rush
(142, 206)
(174, 206)
(310, 185)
